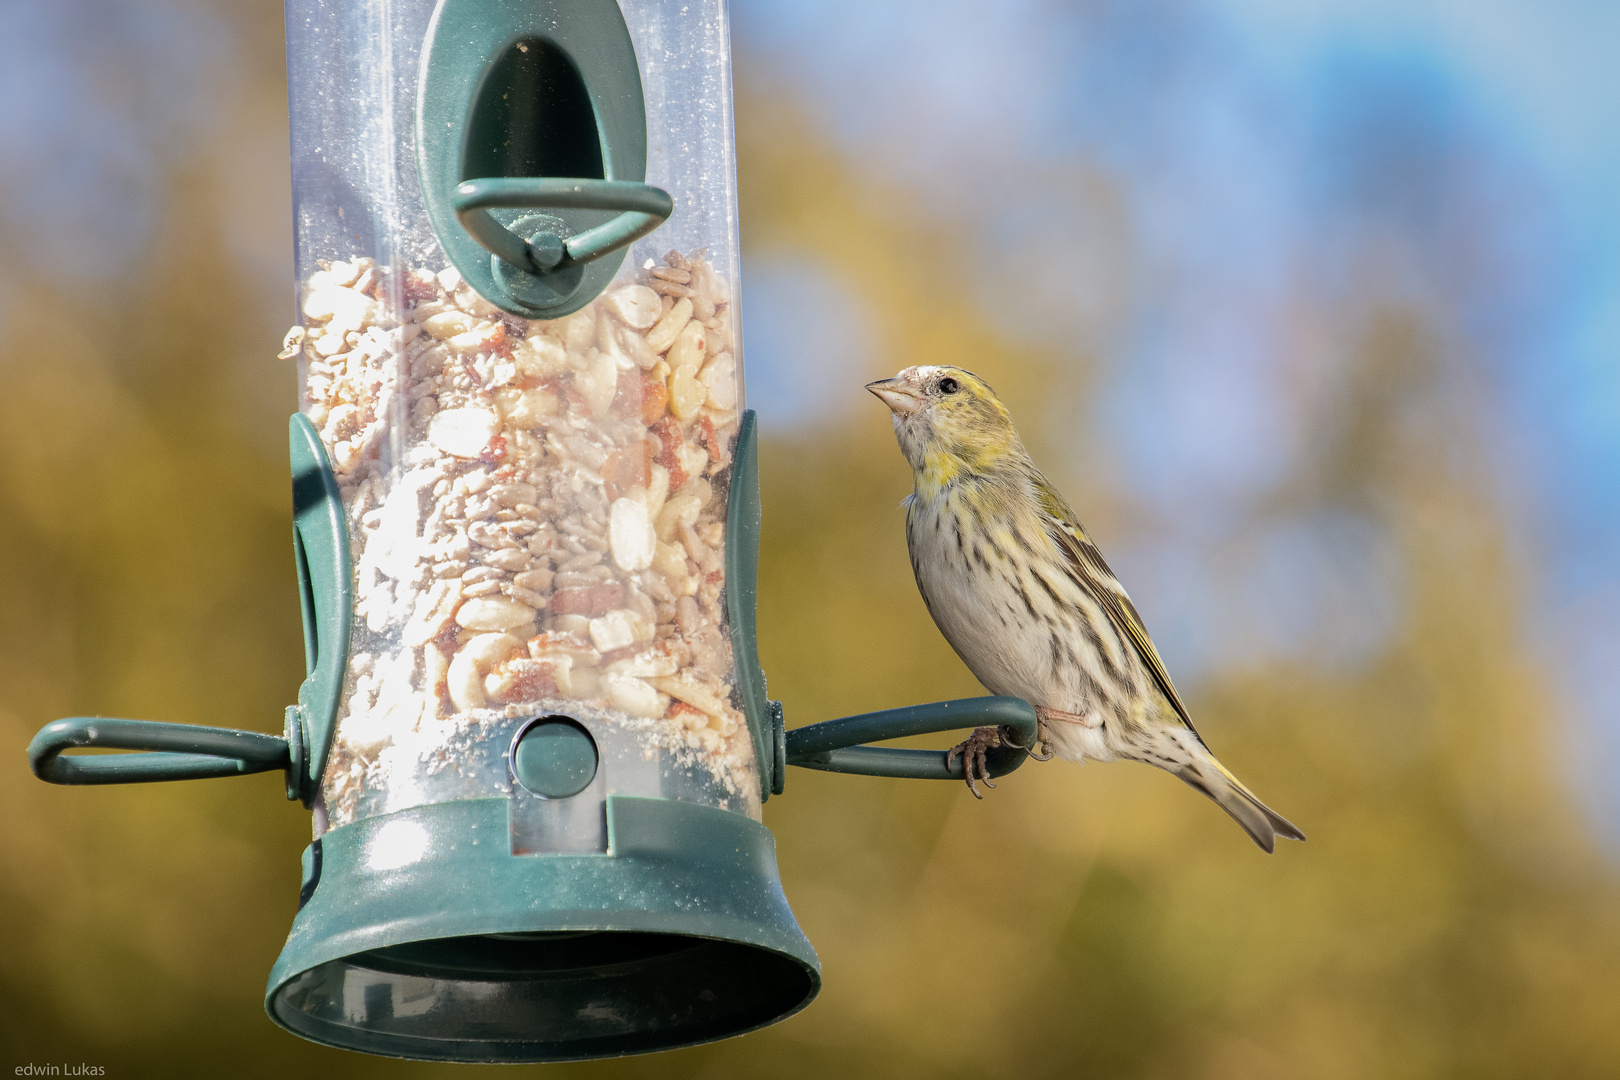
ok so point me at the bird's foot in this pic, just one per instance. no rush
(972, 751)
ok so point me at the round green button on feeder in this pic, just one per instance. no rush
(555, 757)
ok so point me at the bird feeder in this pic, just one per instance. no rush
(534, 736)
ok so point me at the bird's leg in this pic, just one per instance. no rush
(972, 750)
(1047, 716)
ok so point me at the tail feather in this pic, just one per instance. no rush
(1261, 822)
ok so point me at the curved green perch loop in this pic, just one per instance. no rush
(190, 752)
(642, 209)
(834, 745)
(180, 751)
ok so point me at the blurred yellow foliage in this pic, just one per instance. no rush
(1447, 917)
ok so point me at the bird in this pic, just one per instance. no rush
(1020, 591)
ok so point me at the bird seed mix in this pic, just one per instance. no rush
(537, 516)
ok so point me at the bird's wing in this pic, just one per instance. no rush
(1094, 576)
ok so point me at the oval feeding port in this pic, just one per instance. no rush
(533, 117)
(526, 106)
(555, 758)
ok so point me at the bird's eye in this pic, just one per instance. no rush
(949, 386)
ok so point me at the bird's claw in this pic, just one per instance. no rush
(972, 751)
(1039, 743)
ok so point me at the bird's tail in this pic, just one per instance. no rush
(1258, 820)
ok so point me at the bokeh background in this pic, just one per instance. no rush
(1311, 308)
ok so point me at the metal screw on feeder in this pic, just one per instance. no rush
(534, 733)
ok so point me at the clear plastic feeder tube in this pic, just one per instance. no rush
(537, 509)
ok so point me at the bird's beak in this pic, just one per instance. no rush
(900, 396)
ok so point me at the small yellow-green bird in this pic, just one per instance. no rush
(1025, 599)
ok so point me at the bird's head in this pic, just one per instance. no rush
(948, 421)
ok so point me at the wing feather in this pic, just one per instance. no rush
(1092, 574)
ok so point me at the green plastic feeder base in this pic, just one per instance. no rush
(420, 935)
